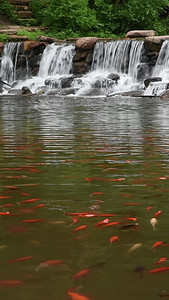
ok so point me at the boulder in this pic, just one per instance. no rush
(34, 46)
(165, 95)
(142, 71)
(52, 82)
(1, 47)
(129, 93)
(139, 33)
(26, 91)
(153, 43)
(151, 79)
(80, 56)
(15, 92)
(86, 43)
(48, 39)
(66, 82)
(80, 67)
(113, 76)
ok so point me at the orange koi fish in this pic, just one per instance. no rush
(149, 208)
(102, 223)
(131, 219)
(19, 259)
(39, 206)
(29, 200)
(76, 296)
(33, 220)
(6, 214)
(157, 214)
(5, 197)
(131, 203)
(81, 273)
(114, 238)
(158, 270)
(10, 282)
(162, 259)
(25, 194)
(53, 262)
(111, 224)
(6, 205)
(157, 244)
(79, 228)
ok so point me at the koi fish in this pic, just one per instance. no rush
(79, 228)
(149, 208)
(29, 200)
(153, 222)
(39, 206)
(81, 273)
(157, 214)
(135, 247)
(163, 295)
(131, 219)
(97, 193)
(25, 194)
(162, 259)
(49, 263)
(157, 244)
(158, 270)
(111, 224)
(76, 296)
(33, 220)
(7, 205)
(75, 220)
(130, 226)
(10, 282)
(114, 238)
(102, 223)
(5, 197)
(6, 214)
(19, 259)
(131, 203)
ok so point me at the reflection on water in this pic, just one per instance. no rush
(97, 158)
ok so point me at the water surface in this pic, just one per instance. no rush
(99, 156)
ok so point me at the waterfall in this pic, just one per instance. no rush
(56, 59)
(161, 69)
(9, 61)
(118, 56)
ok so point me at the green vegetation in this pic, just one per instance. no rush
(7, 9)
(32, 35)
(103, 18)
(4, 37)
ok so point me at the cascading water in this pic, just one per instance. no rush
(56, 59)
(122, 57)
(9, 61)
(56, 63)
(161, 69)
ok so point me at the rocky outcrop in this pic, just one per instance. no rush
(165, 95)
(152, 79)
(84, 54)
(1, 47)
(86, 43)
(153, 44)
(139, 33)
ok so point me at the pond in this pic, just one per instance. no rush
(75, 172)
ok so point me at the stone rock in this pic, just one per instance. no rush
(66, 82)
(139, 33)
(165, 95)
(52, 82)
(34, 61)
(130, 94)
(153, 44)
(15, 92)
(151, 79)
(68, 91)
(48, 39)
(142, 71)
(1, 47)
(86, 43)
(80, 67)
(89, 58)
(34, 46)
(113, 76)
(26, 91)
(79, 56)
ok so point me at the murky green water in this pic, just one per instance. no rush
(91, 156)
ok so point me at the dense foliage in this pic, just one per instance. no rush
(7, 9)
(101, 17)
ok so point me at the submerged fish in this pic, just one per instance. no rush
(140, 269)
